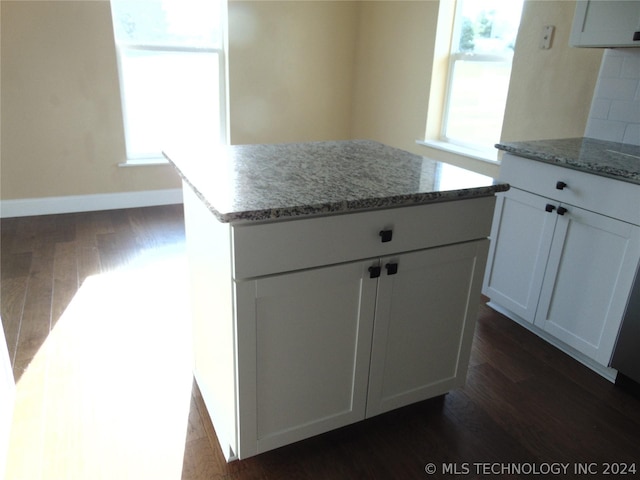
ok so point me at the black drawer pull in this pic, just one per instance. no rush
(561, 185)
(562, 210)
(392, 268)
(374, 272)
(549, 208)
(386, 235)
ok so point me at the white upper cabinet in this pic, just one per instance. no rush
(606, 23)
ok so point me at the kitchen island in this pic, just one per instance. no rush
(330, 282)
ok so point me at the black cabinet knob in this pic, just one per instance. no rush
(549, 207)
(561, 185)
(386, 235)
(374, 272)
(392, 268)
(562, 210)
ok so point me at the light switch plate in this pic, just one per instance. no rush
(547, 37)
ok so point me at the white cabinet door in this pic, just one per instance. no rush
(606, 23)
(589, 274)
(425, 318)
(520, 241)
(312, 348)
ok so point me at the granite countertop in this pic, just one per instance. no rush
(269, 182)
(608, 159)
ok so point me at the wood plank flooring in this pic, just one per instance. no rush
(107, 389)
(525, 403)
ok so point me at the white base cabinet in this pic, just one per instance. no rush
(424, 324)
(299, 329)
(520, 241)
(590, 271)
(564, 270)
(312, 341)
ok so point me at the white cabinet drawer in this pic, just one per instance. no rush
(603, 195)
(283, 246)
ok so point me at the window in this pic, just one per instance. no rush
(172, 72)
(479, 69)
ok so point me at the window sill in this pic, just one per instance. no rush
(144, 162)
(482, 155)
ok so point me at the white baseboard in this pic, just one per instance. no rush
(24, 207)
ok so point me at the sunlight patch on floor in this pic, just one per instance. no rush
(108, 394)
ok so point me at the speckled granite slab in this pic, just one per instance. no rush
(608, 159)
(268, 182)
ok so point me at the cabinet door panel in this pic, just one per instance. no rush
(520, 241)
(588, 279)
(425, 317)
(313, 341)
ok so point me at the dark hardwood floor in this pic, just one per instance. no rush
(525, 404)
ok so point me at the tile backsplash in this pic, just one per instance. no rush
(615, 108)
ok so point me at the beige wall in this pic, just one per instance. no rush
(550, 93)
(394, 58)
(299, 71)
(551, 90)
(291, 72)
(291, 79)
(62, 128)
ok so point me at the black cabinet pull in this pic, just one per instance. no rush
(561, 185)
(386, 235)
(636, 36)
(549, 207)
(562, 210)
(392, 268)
(374, 272)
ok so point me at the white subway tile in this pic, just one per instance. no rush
(615, 107)
(600, 108)
(632, 134)
(631, 65)
(625, 111)
(611, 65)
(617, 88)
(606, 130)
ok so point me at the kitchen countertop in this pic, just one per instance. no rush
(608, 159)
(276, 181)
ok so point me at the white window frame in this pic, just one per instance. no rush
(446, 54)
(464, 57)
(133, 159)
